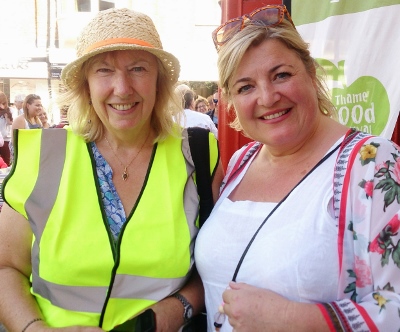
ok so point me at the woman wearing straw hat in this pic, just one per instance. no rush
(101, 226)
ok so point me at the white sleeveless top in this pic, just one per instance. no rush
(294, 254)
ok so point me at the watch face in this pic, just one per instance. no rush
(189, 312)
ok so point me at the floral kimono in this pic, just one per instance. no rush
(367, 206)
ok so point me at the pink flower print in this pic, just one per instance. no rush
(374, 246)
(369, 188)
(381, 242)
(394, 224)
(396, 170)
(363, 273)
(383, 165)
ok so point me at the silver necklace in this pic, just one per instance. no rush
(125, 173)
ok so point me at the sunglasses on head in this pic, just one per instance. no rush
(267, 16)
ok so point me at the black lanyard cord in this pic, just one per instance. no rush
(274, 209)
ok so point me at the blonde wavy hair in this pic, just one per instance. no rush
(231, 53)
(84, 121)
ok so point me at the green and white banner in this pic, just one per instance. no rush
(357, 42)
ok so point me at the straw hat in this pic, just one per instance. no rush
(119, 29)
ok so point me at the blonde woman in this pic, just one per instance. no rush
(306, 229)
(201, 105)
(101, 216)
(32, 108)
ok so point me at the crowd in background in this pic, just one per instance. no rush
(201, 104)
(27, 112)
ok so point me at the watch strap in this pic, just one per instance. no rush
(187, 307)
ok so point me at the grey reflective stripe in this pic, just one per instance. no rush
(146, 288)
(74, 298)
(91, 299)
(41, 201)
(190, 195)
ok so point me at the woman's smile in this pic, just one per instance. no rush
(275, 115)
(123, 107)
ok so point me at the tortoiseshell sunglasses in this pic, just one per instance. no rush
(270, 15)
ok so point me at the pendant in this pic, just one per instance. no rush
(125, 175)
(219, 319)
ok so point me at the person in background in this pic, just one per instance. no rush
(18, 103)
(3, 164)
(32, 107)
(13, 111)
(100, 217)
(1, 141)
(201, 105)
(180, 90)
(190, 117)
(213, 113)
(307, 223)
(29, 119)
(211, 105)
(44, 119)
(63, 118)
(6, 121)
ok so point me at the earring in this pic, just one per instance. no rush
(325, 112)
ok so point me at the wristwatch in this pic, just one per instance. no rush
(187, 307)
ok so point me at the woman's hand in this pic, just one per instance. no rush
(250, 308)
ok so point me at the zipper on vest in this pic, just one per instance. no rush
(116, 243)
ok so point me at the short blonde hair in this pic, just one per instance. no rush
(84, 121)
(201, 100)
(231, 54)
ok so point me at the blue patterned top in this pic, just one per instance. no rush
(113, 206)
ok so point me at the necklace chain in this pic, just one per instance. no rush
(125, 173)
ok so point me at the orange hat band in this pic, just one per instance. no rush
(112, 41)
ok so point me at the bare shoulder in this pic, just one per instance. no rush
(19, 122)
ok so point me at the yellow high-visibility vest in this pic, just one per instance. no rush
(79, 277)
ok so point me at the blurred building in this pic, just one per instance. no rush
(41, 35)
